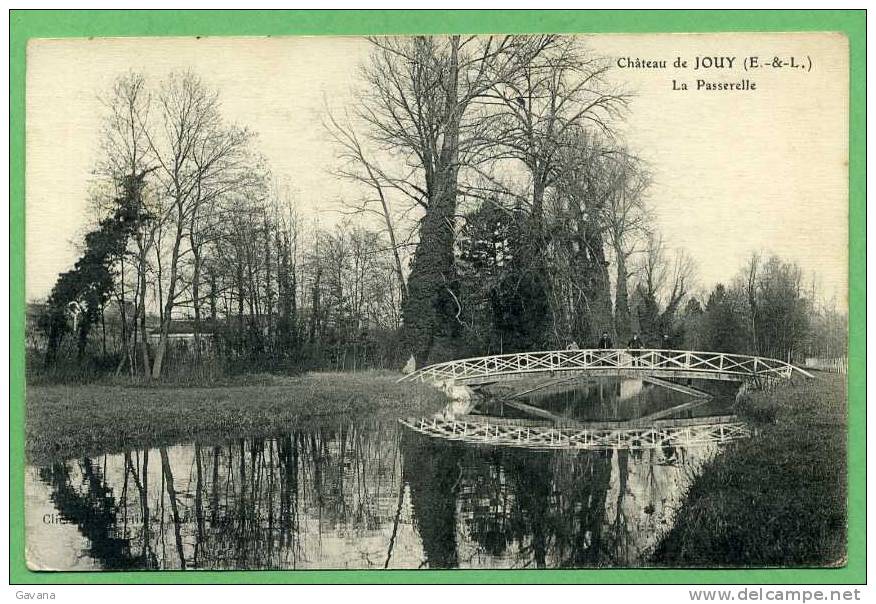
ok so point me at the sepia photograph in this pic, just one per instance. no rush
(494, 301)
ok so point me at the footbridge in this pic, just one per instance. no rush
(586, 436)
(635, 363)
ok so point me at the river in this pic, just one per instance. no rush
(356, 493)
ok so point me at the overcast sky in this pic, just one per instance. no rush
(733, 171)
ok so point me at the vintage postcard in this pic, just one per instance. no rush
(437, 302)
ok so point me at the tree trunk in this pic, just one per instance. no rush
(315, 309)
(599, 285)
(269, 302)
(538, 190)
(387, 217)
(169, 303)
(622, 321)
(196, 299)
(123, 315)
(292, 310)
(144, 342)
(103, 331)
(213, 311)
(240, 326)
(430, 310)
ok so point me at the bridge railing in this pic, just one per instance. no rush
(679, 433)
(743, 366)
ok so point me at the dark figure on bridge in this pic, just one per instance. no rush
(635, 346)
(604, 344)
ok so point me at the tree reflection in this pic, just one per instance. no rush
(368, 496)
(432, 469)
(529, 509)
(94, 508)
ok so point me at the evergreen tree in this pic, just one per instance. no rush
(725, 325)
(84, 290)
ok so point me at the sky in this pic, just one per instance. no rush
(733, 171)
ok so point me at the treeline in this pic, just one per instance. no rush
(500, 211)
(194, 231)
(767, 310)
(534, 230)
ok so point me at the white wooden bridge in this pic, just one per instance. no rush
(640, 363)
(588, 436)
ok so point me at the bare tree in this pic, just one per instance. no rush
(418, 104)
(357, 166)
(551, 110)
(625, 218)
(199, 159)
(125, 149)
(552, 92)
(663, 285)
(751, 283)
(580, 233)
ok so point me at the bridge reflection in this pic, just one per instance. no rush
(589, 436)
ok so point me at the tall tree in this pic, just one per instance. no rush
(418, 103)
(580, 238)
(358, 166)
(125, 148)
(84, 290)
(663, 285)
(200, 158)
(782, 320)
(625, 218)
(551, 101)
(750, 285)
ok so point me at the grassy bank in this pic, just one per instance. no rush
(778, 498)
(66, 421)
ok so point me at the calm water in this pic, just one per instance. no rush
(611, 399)
(363, 494)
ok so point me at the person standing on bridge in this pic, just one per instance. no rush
(635, 346)
(604, 344)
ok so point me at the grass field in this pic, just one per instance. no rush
(67, 421)
(778, 498)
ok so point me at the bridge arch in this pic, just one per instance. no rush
(648, 362)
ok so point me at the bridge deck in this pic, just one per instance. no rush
(658, 363)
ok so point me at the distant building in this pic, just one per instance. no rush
(181, 335)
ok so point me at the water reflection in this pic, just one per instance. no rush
(605, 399)
(356, 495)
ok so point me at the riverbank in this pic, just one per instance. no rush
(778, 498)
(74, 420)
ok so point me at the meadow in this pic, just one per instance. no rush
(65, 421)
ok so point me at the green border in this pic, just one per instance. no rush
(60, 24)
